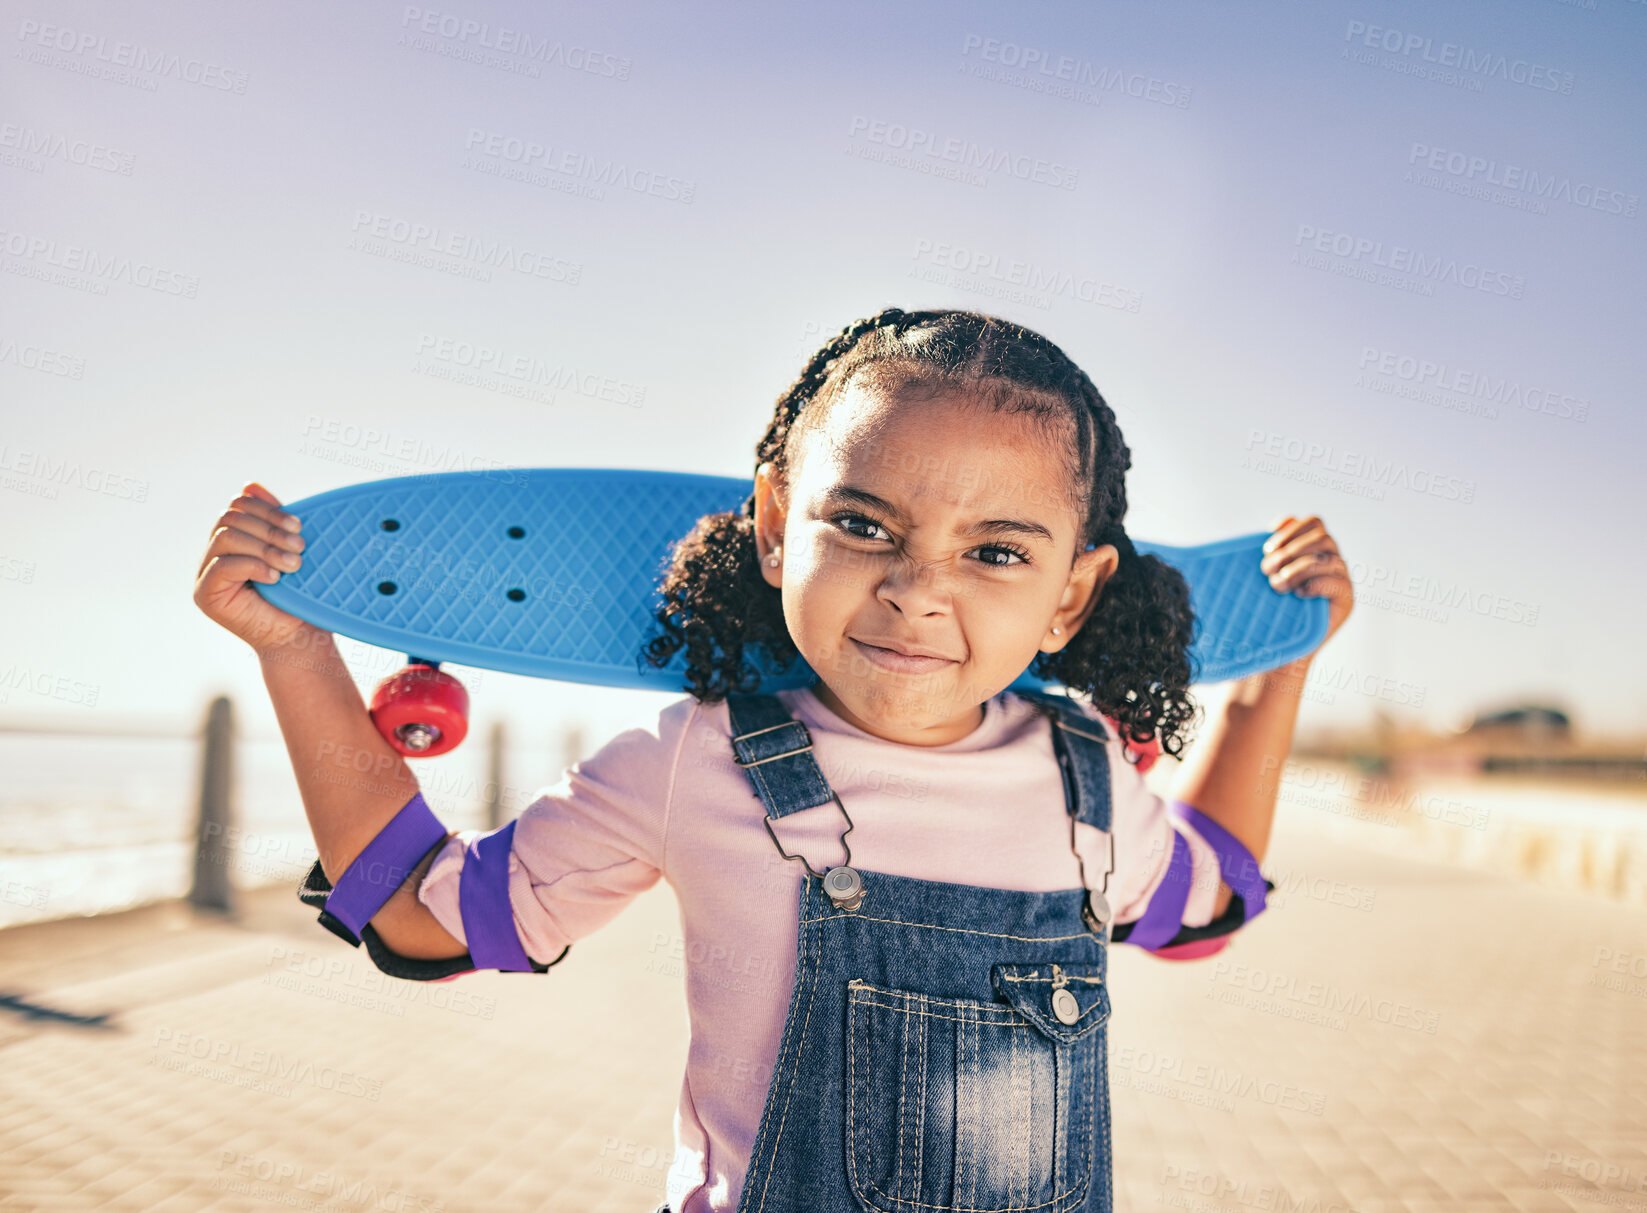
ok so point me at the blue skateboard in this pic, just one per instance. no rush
(553, 573)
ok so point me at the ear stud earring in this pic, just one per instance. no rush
(1057, 631)
(772, 560)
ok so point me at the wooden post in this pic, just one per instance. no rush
(494, 777)
(213, 854)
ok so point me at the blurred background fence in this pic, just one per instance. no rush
(110, 816)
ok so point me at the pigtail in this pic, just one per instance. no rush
(1132, 655)
(715, 603)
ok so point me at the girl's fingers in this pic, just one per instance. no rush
(1283, 549)
(256, 489)
(265, 508)
(1302, 558)
(246, 518)
(1283, 530)
(1286, 542)
(1315, 566)
(226, 576)
(234, 542)
(240, 522)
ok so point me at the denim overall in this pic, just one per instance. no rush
(945, 1045)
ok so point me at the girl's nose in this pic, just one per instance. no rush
(917, 587)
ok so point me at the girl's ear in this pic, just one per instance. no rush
(770, 515)
(1091, 572)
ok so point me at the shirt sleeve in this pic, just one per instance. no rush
(585, 847)
(1167, 872)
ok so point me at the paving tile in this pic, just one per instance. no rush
(1455, 1048)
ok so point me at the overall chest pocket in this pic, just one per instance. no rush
(978, 1106)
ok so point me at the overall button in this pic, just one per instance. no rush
(845, 887)
(1065, 1007)
(1095, 912)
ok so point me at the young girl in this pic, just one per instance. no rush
(912, 1019)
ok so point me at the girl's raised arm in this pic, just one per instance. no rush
(351, 781)
(1233, 771)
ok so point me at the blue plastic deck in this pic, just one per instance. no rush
(553, 573)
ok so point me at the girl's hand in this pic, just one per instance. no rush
(254, 540)
(1302, 558)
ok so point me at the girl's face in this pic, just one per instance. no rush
(936, 527)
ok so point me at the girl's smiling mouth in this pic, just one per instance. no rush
(899, 663)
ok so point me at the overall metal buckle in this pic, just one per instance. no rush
(842, 883)
(1096, 914)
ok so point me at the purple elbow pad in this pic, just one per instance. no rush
(483, 900)
(1235, 863)
(381, 868)
(1164, 915)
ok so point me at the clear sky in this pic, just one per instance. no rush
(1380, 261)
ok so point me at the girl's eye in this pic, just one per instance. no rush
(842, 518)
(1010, 549)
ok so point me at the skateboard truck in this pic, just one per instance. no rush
(421, 710)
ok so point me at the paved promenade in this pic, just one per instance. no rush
(1394, 1035)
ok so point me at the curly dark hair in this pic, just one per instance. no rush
(1131, 656)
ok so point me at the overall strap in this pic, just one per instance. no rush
(775, 751)
(1083, 757)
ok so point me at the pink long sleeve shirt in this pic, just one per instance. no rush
(670, 802)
